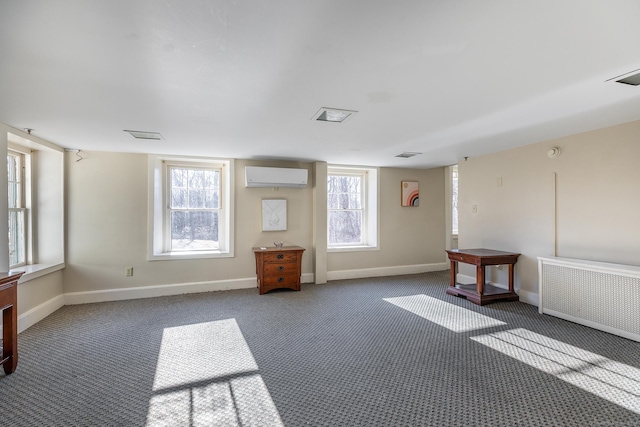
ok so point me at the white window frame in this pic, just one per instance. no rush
(44, 179)
(23, 203)
(370, 224)
(454, 200)
(159, 227)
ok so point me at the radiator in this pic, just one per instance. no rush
(599, 295)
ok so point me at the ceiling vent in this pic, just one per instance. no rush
(407, 154)
(334, 115)
(632, 78)
(144, 135)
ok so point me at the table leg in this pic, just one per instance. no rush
(452, 280)
(10, 338)
(480, 279)
(511, 266)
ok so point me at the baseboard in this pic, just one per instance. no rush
(526, 297)
(157, 291)
(36, 314)
(386, 271)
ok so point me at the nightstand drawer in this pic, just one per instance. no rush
(281, 279)
(278, 269)
(280, 257)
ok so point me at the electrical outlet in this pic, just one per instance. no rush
(128, 272)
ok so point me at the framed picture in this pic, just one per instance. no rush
(410, 193)
(274, 214)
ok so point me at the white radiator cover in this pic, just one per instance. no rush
(596, 294)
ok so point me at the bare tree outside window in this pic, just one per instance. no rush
(454, 201)
(346, 209)
(16, 210)
(194, 208)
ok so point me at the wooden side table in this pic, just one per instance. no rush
(278, 268)
(8, 306)
(482, 293)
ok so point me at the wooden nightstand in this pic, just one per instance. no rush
(278, 268)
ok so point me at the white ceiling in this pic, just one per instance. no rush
(243, 78)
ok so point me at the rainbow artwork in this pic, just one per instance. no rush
(410, 193)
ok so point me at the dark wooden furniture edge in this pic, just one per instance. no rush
(482, 293)
(9, 309)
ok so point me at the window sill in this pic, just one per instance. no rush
(360, 248)
(176, 256)
(33, 271)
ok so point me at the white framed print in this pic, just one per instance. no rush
(274, 214)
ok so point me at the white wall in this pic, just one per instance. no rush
(582, 204)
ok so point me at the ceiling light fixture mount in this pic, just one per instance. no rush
(407, 154)
(138, 134)
(632, 78)
(334, 115)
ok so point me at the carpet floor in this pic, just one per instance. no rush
(392, 351)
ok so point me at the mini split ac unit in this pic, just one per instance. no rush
(256, 176)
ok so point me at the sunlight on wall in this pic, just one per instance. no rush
(206, 375)
(613, 381)
(452, 317)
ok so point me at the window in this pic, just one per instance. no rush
(352, 208)
(35, 205)
(454, 200)
(17, 211)
(191, 208)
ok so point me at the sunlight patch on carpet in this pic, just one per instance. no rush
(200, 352)
(613, 381)
(452, 317)
(206, 375)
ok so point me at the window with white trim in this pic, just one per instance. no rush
(191, 210)
(17, 209)
(352, 208)
(454, 200)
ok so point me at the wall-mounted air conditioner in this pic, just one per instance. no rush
(256, 176)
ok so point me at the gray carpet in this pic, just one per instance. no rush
(367, 352)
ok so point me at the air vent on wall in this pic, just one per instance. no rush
(256, 176)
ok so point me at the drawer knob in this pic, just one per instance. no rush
(280, 279)
(281, 267)
(280, 256)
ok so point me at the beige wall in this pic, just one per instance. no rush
(408, 235)
(582, 204)
(107, 197)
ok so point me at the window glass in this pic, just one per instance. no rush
(193, 213)
(454, 200)
(352, 211)
(17, 211)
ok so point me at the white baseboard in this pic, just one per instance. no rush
(386, 271)
(156, 291)
(526, 297)
(36, 314)
(467, 280)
